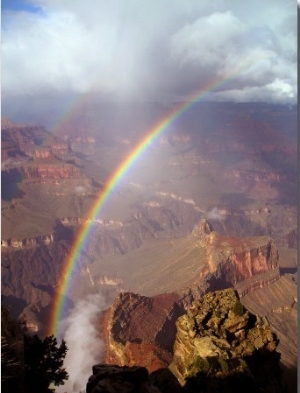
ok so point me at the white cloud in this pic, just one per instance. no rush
(262, 62)
(216, 214)
(56, 52)
(152, 48)
(275, 92)
(208, 41)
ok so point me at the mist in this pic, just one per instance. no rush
(216, 214)
(85, 347)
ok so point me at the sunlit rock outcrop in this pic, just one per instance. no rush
(217, 329)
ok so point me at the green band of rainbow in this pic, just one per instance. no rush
(72, 259)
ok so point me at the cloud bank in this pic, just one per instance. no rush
(151, 49)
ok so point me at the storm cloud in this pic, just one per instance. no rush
(151, 49)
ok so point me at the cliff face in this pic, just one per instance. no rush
(235, 260)
(140, 330)
(30, 153)
(40, 172)
(21, 141)
(27, 242)
(30, 275)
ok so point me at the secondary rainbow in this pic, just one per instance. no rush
(73, 257)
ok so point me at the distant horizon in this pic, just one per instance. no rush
(29, 118)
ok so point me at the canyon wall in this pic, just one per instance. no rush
(41, 172)
(235, 260)
(140, 330)
(246, 264)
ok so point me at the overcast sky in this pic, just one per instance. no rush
(150, 49)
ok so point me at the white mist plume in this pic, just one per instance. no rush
(80, 190)
(85, 348)
(216, 214)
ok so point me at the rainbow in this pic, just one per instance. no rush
(73, 257)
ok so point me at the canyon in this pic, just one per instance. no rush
(250, 265)
(210, 205)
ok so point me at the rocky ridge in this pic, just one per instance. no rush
(32, 141)
(219, 346)
(41, 172)
(236, 260)
(27, 242)
(30, 155)
(218, 327)
(140, 330)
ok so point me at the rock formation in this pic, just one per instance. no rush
(141, 330)
(31, 141)
(236, 261)
(217, 329)
(246, 256)
(41, 172)
(116, 379)
(27, 242)
(219, 346)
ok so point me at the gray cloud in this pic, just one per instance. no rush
(151, 49)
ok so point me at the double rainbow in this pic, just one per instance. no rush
(73, 257)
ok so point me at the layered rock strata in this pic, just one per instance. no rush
(140, 330)
(137, 324)
(40, 171)
(219, 346)
(246, 263)
(27, 242)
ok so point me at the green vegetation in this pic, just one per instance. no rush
(224, 365)
(201, 364)
(238, 308)
(243, 364)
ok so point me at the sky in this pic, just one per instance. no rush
(149, 50)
